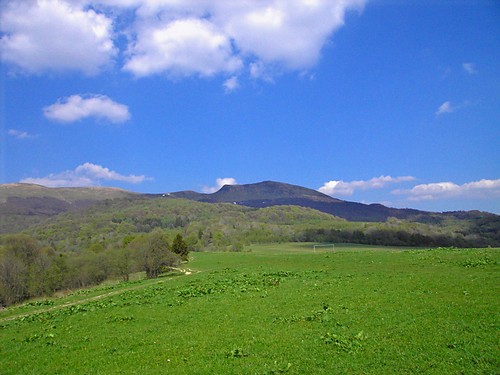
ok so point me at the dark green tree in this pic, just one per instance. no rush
(180, 247)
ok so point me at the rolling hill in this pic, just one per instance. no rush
(23, 205)
(26, 205)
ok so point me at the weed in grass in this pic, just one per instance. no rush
(236, 353)
(346, 343)
(45, 302)
(244, 283)
(114, 319)
(277, 369)
(323, 315)
(48, 339)
(470, 263)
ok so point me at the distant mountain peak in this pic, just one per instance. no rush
(266, 190)
(273, 193)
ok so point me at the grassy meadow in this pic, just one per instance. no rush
(273, 309)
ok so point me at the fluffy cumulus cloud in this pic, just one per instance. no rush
(87, 174)
(172, 37)
(220, 182)
(182, 47)
(52, 35)
(288, 32)
(77, 107)
(342, 188)
(481, 189)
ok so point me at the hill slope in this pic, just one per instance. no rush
(23, 205)
(70, 195)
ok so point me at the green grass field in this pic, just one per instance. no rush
(274, 309)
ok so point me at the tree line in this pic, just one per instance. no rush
(390, 237)
(28, 269)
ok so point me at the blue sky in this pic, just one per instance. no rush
(396, 102)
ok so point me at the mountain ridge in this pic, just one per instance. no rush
(23, 205)
(272, 193)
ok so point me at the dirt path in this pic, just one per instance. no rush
(186, 272)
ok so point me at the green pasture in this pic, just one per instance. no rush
(277, 308)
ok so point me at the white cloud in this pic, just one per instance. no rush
(87, 174)
(220, 182)
(19, 134)
(55, 35)
(231, 84)
(291, 33)
(182, 48)
(342, 188)
(445, 190)
(264, 72)
(287, 32)
(77, 107)
(470, 68)
(446, 107)
(174, 37)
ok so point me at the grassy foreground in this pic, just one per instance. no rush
(275, 309)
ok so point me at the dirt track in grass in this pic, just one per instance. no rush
(185, 272)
